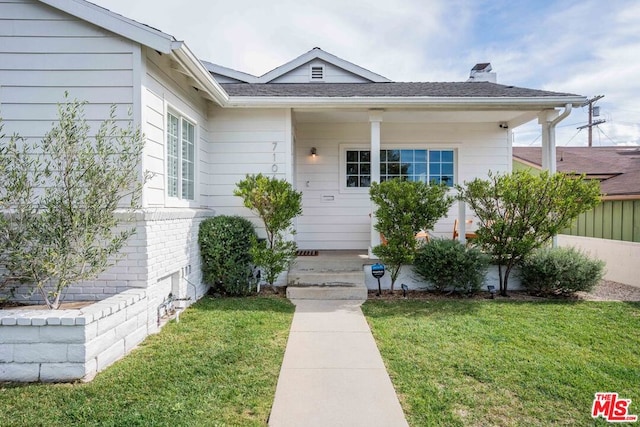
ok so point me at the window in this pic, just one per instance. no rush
(181, 136)
(407, 164)
(358, 168)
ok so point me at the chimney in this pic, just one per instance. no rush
(482, 73)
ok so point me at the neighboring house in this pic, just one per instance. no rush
(617, 169)
(208, 126)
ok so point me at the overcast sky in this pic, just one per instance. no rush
(586, 47)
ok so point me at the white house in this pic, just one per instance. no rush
(324, 124)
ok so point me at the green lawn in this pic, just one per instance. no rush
(484, 362)
(218, 366)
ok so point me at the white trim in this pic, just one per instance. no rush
(317, 53)
(171, 201)
(342, 167)
(465, 103)
(230, 72)
(115, 23)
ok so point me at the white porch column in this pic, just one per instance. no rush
(375, 118)
(545, 119)
(462, 222)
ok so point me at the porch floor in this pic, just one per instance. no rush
(337, 275)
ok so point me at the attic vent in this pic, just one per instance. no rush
(317, 72)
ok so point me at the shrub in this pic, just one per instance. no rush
(560, 271)
(448, 264)
(403, 208)
(225, 243)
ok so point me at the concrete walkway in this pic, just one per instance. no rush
(332, 373)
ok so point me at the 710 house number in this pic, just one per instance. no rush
(274, 166)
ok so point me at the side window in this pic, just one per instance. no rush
(180, 157)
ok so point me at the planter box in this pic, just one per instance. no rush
(413, 281)
(68, 345)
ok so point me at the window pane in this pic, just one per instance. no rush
(447, 168)
(365, 156)
(434, 169)
(394, 168)
(420, 156)
(365, 181)
(434, 156)
(393, 155)
(406, 156)
(172, 155)
(352, 181)
(352, 156)
(447, 156)
(188, 160)
(365, 169)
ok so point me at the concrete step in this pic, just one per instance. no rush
(315, 278)
(328, 292)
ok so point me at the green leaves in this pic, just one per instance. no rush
(69, 197)
(403, 209)
(277, 204)
(520, 212)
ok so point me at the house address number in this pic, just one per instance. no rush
(274, 166)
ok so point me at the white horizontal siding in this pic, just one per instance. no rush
(332, 74)
(162, 89)
(45, 53)
(245, 142)
(344, 223)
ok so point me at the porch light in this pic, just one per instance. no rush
(492, 291)
(313, 152)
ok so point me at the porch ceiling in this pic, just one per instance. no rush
(514, 118)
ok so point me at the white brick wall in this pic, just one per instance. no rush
(68, 345)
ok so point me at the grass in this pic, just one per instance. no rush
(219, 366)
(482, 363)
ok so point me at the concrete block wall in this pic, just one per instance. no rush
(68, 345)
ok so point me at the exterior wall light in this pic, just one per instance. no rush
(314, 152)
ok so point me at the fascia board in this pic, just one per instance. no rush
(381, 102)
(118, 24)
(230, 72)
(199, 73)
(325, 56)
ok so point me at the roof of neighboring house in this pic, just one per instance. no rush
(617, 168)
(391, 89)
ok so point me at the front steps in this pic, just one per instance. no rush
(332, 275)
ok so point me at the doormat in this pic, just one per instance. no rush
(307, 253)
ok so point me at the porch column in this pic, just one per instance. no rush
(545, 119)
(462, 222)
(375, 118)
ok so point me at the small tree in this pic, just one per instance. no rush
(60, 198)
(403, 209)
(277, 204)
(520, 212)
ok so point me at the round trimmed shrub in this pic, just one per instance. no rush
(225, 243)
(560, 271)
(449, 265)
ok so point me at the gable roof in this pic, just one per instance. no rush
(617, 168)
(146, 36)
(315, 53)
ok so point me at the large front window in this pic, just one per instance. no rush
(180, 157)
(433, 166)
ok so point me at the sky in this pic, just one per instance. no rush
(585, 47)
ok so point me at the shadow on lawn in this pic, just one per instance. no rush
(270, 303)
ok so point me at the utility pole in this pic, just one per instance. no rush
(592, 123)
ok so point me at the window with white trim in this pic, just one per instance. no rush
(181, 141)
(434, 166)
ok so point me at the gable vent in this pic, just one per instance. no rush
(317, 73)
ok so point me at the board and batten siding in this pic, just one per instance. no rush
(334, 218)
(45, 52)
(165, 90)
(247, 141)
(612, 219)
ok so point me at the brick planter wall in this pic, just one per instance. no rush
(68, 345)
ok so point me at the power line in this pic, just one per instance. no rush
(592, 123)
(608, 137)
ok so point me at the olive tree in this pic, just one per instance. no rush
(66, 201)
(277, 204)
(521, 211)
(403, 208)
